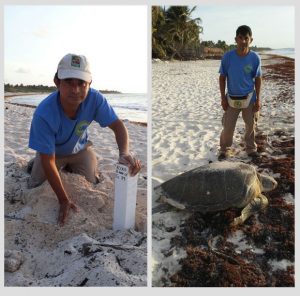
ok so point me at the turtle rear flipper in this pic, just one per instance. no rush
(256, 204)
(167, 205)
(162, 208)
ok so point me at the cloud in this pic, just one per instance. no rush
(22, 70)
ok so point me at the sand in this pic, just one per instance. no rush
(85, 251)
(186, 126)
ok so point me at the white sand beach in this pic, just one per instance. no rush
(186, 126)
(85, 251)
(186, 116)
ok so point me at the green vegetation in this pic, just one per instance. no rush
(225, 47)
(28, 88)
(41, 89)
(107, 91)
(176, 35)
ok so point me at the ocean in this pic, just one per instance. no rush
(286, 52)
(132, 107)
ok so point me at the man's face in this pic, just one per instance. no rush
(243, 42)
(73, 91)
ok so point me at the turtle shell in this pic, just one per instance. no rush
(213, 187)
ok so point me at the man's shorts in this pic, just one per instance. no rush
(84, 163)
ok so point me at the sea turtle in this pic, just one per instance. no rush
(219, 186)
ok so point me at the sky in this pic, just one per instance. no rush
(113, 38)
(272, 26)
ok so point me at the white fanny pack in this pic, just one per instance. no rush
(239, 102)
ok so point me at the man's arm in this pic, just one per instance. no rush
(257, 85)
(122, 140)
(222, 85)
(53, 177)
(121, 135)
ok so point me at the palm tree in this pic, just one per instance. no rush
(182, 30)
(158, 23)
(174, 30)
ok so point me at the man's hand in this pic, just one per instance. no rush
(133, 163)
(64, 211)
(224, 104)
(53, 177)
(122, 139)
(256, 106)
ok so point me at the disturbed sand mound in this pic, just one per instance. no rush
(85, 251)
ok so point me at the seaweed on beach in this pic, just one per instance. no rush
(282, 73)
(283, 69)
(271, 231)
(260, 252)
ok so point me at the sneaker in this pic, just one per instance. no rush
(29, 166)
(223, 155)
(254, 154)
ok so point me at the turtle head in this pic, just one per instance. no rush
(268, 183)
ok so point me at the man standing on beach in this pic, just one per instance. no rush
(241, 70)
(59, 131)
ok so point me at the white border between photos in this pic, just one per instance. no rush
(149, 289)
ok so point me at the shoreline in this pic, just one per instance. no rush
(261, 54)
(34, 107)
(8, 95)
(272, 55)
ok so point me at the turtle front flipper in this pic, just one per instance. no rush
(256, 204)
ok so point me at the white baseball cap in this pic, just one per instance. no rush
(74, 66)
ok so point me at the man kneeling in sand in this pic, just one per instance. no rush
(59, 131)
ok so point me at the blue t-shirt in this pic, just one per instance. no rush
(52, 131)
(240, 72)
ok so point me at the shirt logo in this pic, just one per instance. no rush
(75, 61)
(248, 69)
(81, 127)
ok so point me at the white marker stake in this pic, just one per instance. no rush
(125, 198)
